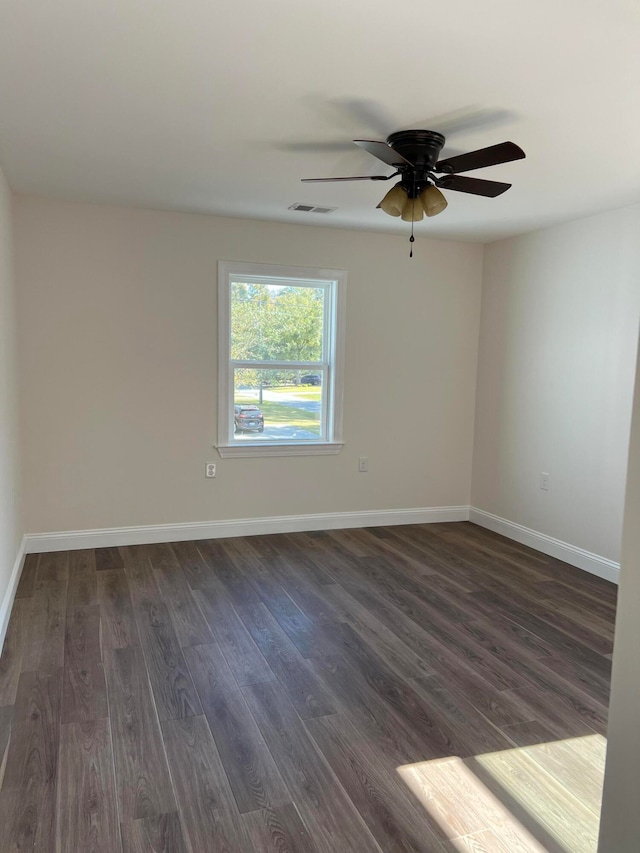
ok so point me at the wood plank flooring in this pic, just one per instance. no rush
(428, 688)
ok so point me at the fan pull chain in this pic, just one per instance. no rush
(413, 210)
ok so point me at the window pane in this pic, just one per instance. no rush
(273, 323)
(278, 405)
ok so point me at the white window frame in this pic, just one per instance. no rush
(332, 367)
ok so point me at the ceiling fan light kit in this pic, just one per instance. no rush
(394, 201)
(412, 210)
(398, 203)
(414, 155)
(433, 201)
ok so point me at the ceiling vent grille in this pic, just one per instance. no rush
(310, 208)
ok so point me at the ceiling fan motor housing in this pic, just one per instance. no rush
(422, 149)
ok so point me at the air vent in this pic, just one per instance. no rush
(309, 208)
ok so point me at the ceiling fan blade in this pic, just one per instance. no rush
(465, 119)
(359, 178)
(383, 152)
(504, 152)
(474, 186)
(368, 113)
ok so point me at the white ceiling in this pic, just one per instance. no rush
(204, 105)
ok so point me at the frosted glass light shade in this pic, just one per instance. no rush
(394, 201)
(432, 201)
(412, 210)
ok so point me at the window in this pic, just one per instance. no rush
(281, 342)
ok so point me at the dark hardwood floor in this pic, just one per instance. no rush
(422, 688)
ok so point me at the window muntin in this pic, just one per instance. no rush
(281, 349)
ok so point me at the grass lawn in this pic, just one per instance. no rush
(302, 392)
(285, 412)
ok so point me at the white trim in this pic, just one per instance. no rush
(267, 448)
(72, 540)
(225, 395)
(306, 366)
(334, 282)
(586, 560)
(10, 592)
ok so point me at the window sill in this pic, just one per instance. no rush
(264, 448)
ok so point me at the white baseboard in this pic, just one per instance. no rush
(72, 540)
(593, 563)
(10, 593)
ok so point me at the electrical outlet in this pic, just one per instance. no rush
(544, 482)
(363, 464)
(210, 469)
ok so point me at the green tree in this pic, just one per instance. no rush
(270, 323)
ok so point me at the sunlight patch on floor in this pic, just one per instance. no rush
(533, 799)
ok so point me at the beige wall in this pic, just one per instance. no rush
(620, 821)
(10, 527)
(556, 366)
(118, 377)
(118, 369)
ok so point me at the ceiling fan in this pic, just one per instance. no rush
(414, 156)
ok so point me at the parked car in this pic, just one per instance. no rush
(310, 379)
(248, 418)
